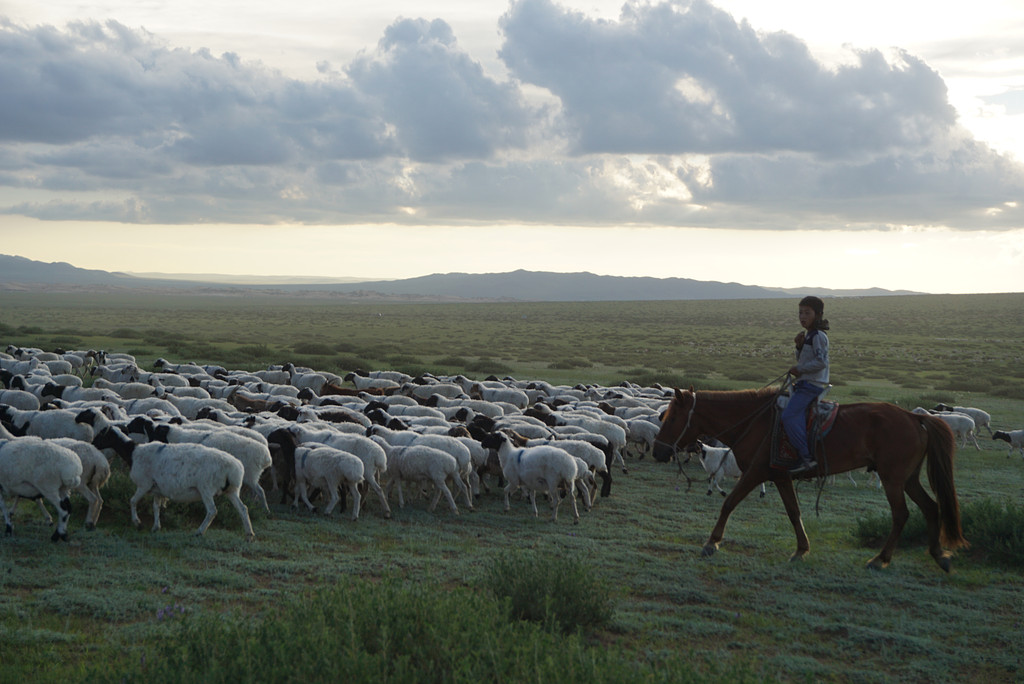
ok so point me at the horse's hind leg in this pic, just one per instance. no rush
(898, 505)
(930, 509)
(789, 500)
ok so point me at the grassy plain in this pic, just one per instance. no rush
(115, 594)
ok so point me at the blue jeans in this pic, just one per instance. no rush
(794, 416)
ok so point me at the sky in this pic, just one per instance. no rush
(786, 144)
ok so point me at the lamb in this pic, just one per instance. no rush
(362, 382)
(128, 372)
(980, 418)
(1015, 438)
(533, 468)
(31, 467)
(421, 464)
(126, 390)
(719, 462)
(329, 469)
(500, 395)
(185, 473)
(252, 452)
(95, 473)
(591, 454)
(640, 432)
(313, 381)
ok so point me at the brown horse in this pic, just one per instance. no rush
(880, 436)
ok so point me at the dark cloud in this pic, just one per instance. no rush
(673, 114)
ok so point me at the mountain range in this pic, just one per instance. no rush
(21, 274)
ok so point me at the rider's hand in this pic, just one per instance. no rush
(799, 339)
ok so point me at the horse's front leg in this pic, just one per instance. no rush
(789, 500)
(748, 480)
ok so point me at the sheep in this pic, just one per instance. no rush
(640, 432)
(615, 434)
(1015, 439)
(150, 406)
(421, 464)
(961, 423)
(77, 393)
(55, 423)
(534, 468)
(95, 474)
(375, 462)
(329, 469)
(424, 392)
(126, 390)
(591, 454)
(32, 468)
(252, 451)
(185, 473)
(718, 462)
(980, 418)
(585, 478)
(189, 407)
(446, 443)
(128, 372)
(20, 367)
(362, 382)
(303, 380)
(500, 395)
(19, 399)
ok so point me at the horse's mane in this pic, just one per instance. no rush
(737, 395)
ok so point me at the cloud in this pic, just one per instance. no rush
(673, 114)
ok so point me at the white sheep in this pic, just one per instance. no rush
(961, 424)
(95, 474)
(31, 467)
(127, 372)
(328, 469)
(543, 467)
(19, 399)
(126, 390)
(251, 450)
(1014, 438)
(592, 455)
(640, 432)
(54, 423)
(363, 382)
(305, 380)
(981, 418)
(185, 473)
(446, 443)
(585, 480)
(419, 464)
(375, 462)
(719, 462)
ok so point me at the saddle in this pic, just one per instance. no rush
(821, 416)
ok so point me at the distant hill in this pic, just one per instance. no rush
(21, 274)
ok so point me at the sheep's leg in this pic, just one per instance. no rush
(8, 527)
(211, 511)
(93, 497)
(243, 513)
(442, 488)
(301, 493)
(461, 484)
(585, 491)
(62, 502)
(401, 499)
(156, 513)
(533, 501)
(261, 495)
(357, 500)
(335, 498)
(617, 458)
(134, 504)
(375, 486)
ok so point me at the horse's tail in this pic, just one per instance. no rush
(939, 451)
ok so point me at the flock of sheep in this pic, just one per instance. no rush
(190, 432)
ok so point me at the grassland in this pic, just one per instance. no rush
(110, 598)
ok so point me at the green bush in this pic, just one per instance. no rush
(313, 348)
(382, 632)
(569, 364)
(556, 591)
(994, 530)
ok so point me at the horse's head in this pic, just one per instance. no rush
(676, 422)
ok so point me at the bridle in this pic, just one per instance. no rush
(689, 419)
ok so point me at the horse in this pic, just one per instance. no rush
(881, 436)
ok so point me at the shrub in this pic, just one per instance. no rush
(994, 530)
(556, 591)
(313, 348)
(124, 333)
(569, 364)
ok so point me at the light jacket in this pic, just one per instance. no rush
(812, 358)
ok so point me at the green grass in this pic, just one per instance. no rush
(313, 598)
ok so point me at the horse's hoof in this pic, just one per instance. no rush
(90, 526)
(945, 563)
(796, 557)
(876, 563)
(708, 551)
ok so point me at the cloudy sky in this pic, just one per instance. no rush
(792, 143)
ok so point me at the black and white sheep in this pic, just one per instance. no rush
(185, 473)
(981, 418)
(1014, 438)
